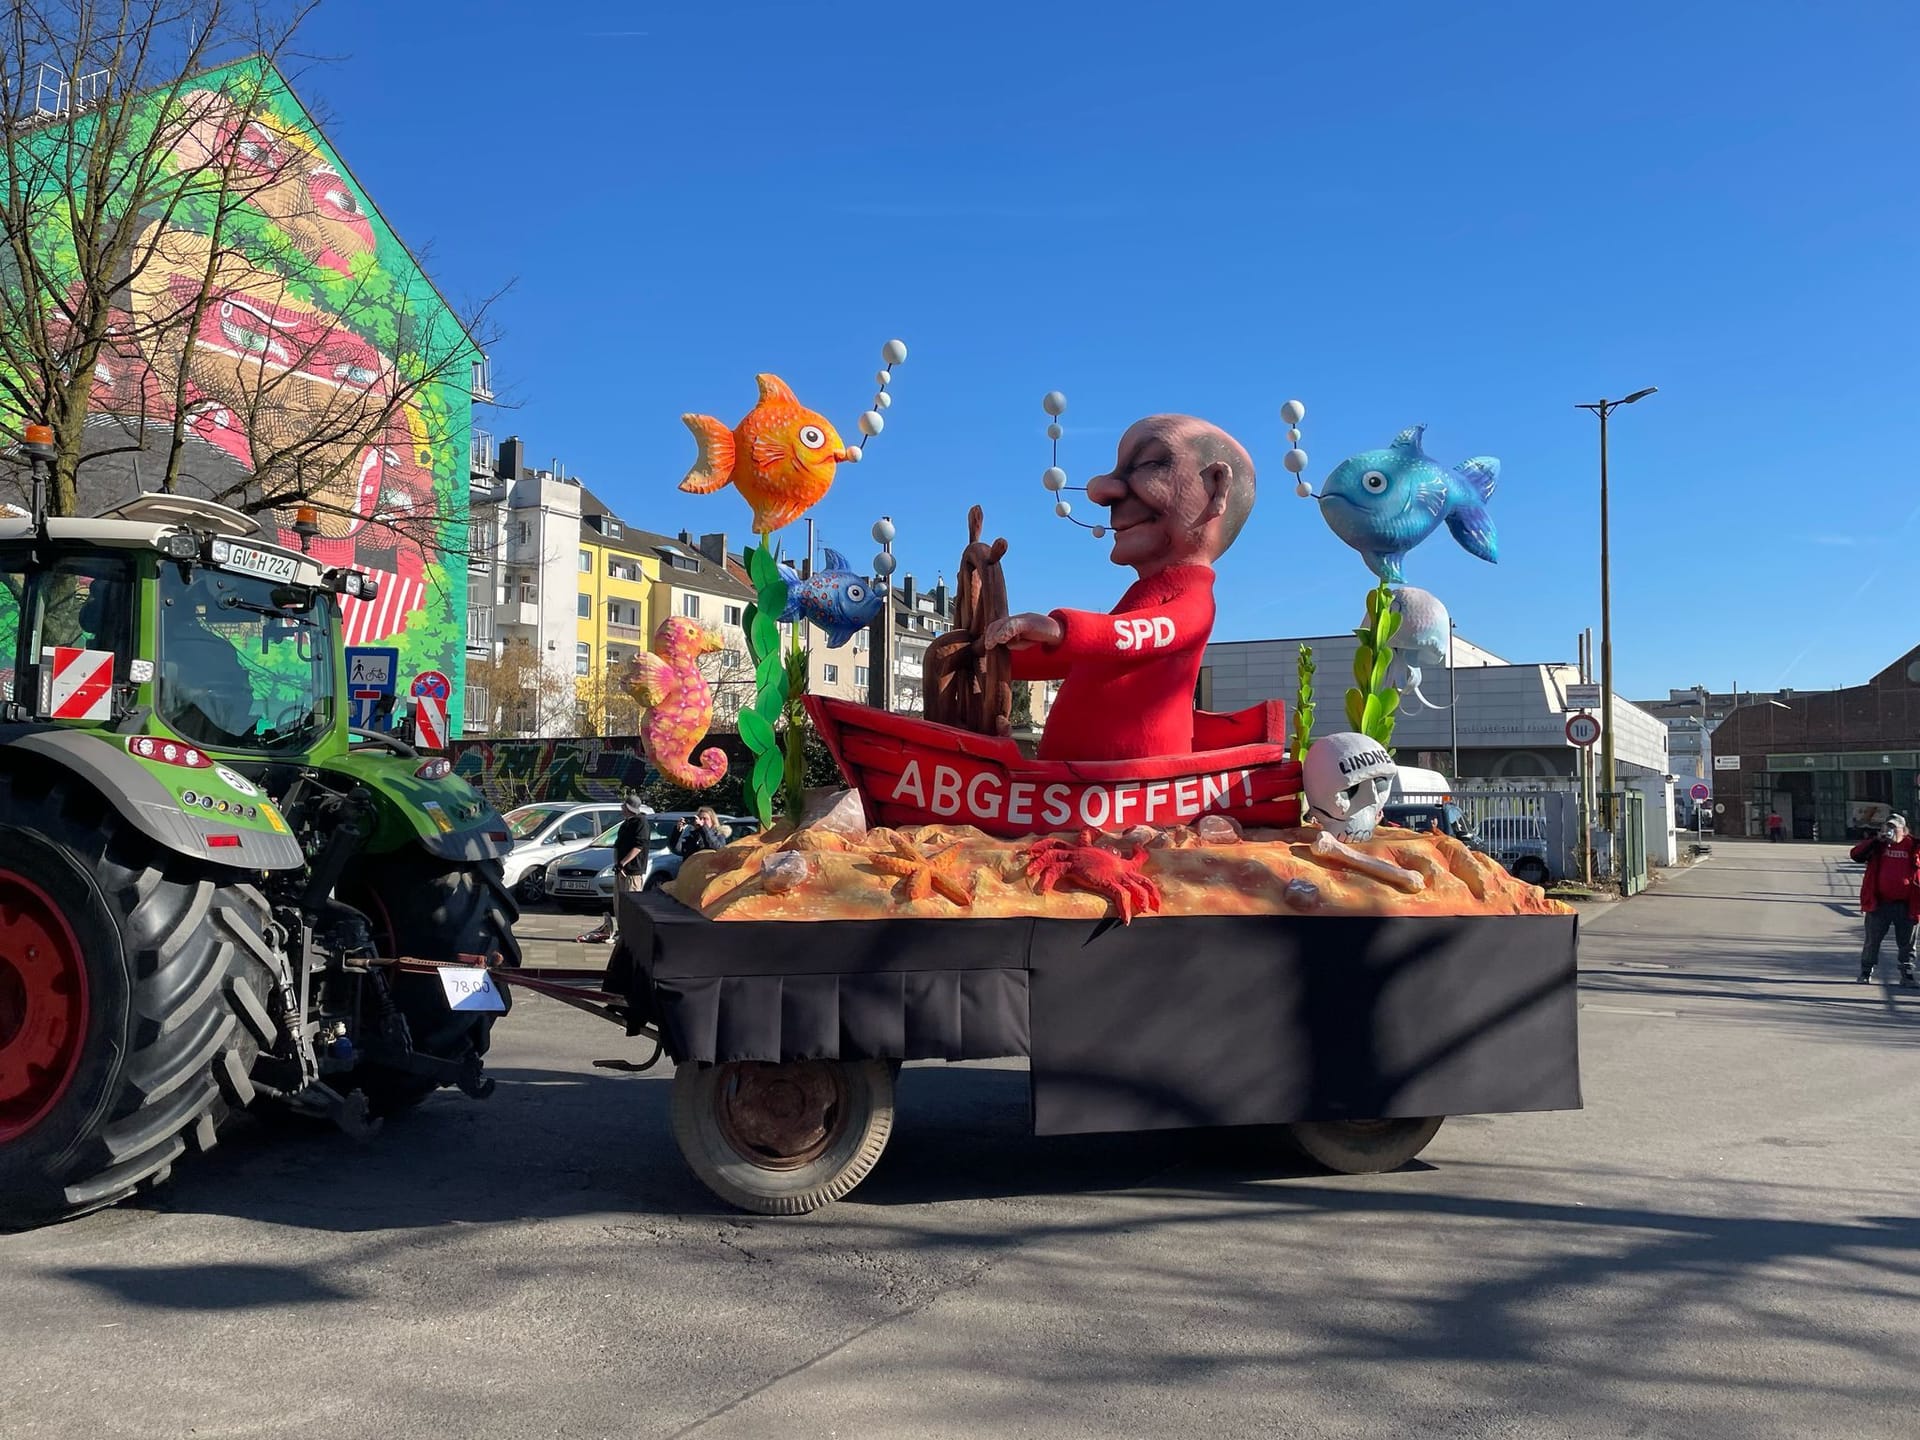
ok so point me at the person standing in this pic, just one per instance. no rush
(1889, 894)
(629, 861)
(1775, 825)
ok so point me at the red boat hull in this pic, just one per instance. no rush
(912, 772)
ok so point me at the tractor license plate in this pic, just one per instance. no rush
(261, 562)
(470, 989)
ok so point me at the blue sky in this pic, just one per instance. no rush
(1471, 216)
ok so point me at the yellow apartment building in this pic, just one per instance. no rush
(620, 601)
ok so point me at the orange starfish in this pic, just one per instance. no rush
(922, 875)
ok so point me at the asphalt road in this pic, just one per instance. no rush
(1725, 1242)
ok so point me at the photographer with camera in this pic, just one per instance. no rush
(699, 831)
(1889, 894)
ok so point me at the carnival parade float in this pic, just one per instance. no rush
(1177, 918)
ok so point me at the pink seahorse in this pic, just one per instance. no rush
(678, 702)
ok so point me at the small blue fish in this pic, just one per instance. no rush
(837, 600)
(1424, 637)
(1385, 502)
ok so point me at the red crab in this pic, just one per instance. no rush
(1092, 866)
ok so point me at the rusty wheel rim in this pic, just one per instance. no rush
(43, 1005)
(781, 1117)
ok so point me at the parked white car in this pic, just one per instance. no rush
(544, 832)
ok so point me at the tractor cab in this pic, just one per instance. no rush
(178, 615)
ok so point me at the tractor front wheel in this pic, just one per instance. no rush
(131, 1001)
(430, 909)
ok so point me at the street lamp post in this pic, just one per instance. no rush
(1604, 408)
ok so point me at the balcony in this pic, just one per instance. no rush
(626, 634)
(483, 381)
(483, 456)
(519, 612)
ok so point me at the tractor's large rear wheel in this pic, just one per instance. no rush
(125, 974)
(430, 909)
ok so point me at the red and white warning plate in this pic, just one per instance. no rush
(76, 684)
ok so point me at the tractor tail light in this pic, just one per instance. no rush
(436, 769)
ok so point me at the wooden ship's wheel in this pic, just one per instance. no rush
(967, 685)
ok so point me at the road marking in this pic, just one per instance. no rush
(1628, 1010)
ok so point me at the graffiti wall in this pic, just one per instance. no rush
(268, 303)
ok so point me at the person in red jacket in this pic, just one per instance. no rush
(1179, 492)
(1889, 894)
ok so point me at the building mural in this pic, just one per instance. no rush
(310, 354)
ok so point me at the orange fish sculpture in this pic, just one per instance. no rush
(781, 458)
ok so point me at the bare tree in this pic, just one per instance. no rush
(187, 278)
(524, 697)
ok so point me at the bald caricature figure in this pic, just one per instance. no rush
(1178, 493)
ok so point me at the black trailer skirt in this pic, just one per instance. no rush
(1169, 1023)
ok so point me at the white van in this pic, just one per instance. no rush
(1411, 780)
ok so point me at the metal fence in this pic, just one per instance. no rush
(1529, 830)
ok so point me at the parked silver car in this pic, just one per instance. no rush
(585, 877)
(543, 832)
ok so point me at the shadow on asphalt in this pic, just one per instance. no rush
(590, 1145)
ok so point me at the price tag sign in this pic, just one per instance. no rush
(470, 988)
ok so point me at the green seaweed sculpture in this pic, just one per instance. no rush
(1303, 705)
(1372, 703)
(775, 694)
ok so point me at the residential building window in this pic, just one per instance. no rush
(615, 529)
(860, 676)
(859, 642)
(583, 659)
(480, 624)
(832, 674)
(480, 542)
(585, 607)
(521, 532)
(733, 613)
(690, 606)
(529, 593)
(586, 562)
(479, 709)
(622, 570)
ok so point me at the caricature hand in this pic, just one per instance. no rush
(1022, 632)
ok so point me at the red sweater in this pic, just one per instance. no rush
(1891, 873)
(1127, 679)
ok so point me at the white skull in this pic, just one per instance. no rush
(1347, 779)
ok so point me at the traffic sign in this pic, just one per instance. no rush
(370, 676)
(429, 722)
(432, 683)
(1700, 792)
(1582, 730)
(1583, 697)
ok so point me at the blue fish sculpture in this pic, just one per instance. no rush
(1424, 638)
(1385, 502)
(837, 600)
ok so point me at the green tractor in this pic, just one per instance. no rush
(202, 866)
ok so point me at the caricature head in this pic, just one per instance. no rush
(1179, 492)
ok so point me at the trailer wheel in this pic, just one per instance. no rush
(1533, 870)
(782, 1139)
(1365, 1147)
